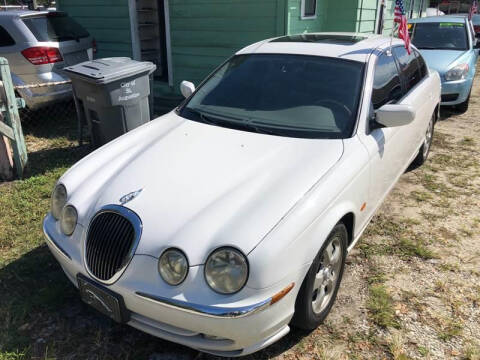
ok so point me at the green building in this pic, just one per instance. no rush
(187, 39)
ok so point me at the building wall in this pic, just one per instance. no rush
(341, 15)
(297, 25)
(107, 21)
(204, 33)
(366, 16)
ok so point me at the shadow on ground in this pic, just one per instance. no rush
(44, 317)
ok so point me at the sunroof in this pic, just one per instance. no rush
(322, 39)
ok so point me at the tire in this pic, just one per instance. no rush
(427, 144)
(310, 309)
(463, 107)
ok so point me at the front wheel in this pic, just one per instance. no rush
(427, 144)
(320, 286)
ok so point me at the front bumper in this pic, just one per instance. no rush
(455, 92)
(234, 325)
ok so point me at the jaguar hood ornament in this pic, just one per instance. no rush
(129, 197)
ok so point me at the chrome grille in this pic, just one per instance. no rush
(112, 239)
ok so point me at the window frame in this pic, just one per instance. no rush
(403, 78)
(308, 16)
(10, 38)
(399, 73)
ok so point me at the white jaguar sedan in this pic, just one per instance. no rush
(228, 220)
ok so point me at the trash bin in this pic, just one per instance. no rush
(111, 96)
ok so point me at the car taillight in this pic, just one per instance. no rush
(476, 28)
(94, 46)
(39, 55)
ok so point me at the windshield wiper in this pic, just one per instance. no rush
(233, 123)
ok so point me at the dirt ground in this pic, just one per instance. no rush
(411, 288)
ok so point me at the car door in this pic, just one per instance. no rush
(418, 94)
(385, 145)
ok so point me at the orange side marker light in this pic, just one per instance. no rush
(280, 295)
(364, 205)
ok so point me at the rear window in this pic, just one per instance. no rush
(55, 27)
(5, 38)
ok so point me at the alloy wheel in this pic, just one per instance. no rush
(327, 275)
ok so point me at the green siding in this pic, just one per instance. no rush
(107, 21)
(341, 15)
(366, 16)
(204, 33)
(297, 25)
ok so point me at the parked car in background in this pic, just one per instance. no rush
(223, 222)
(449, 46)
(38, 45)
(433, 12)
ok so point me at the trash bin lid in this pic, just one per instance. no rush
(106, 70)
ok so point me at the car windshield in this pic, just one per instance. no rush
(280, 94)
(440, 35)
(55, 27)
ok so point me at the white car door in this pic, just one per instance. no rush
(419, 94)
(386, 146)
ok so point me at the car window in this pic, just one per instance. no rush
(386, 82)
(409, 69)
(55, 27)
(5, 38)
(440, 35)
(291, 95)
(421, 63)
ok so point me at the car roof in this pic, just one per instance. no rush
(441, 18)
(22, 13)
(350, 46)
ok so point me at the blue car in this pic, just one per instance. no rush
(448, 45)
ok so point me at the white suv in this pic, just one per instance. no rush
(38, 45)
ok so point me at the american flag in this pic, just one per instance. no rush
(473, 9)
(401, 19)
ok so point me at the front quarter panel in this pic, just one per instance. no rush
(297, 238)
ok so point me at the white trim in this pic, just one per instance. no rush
(132, 10)
(302, 11)
(168, 44)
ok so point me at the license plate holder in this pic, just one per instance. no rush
(102, 299)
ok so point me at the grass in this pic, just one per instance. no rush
(450, 329)
(380, 307)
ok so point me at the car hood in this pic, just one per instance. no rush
(441, 60)
(202, 186)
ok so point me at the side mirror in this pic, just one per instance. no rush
(391, 115)
(187, 88)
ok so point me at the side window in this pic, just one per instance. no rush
(421, 64)
(5, 38)
(408, 67)
(309, 9)
(386, 82)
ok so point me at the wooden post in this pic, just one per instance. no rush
(13, 128)
(6, 161)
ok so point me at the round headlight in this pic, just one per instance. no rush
(59, 199)
(68, 221)
(173, 266)
(226, 270)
